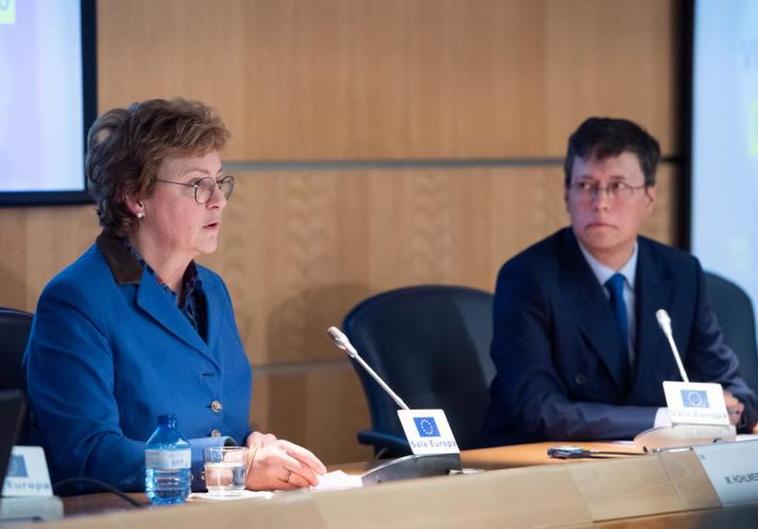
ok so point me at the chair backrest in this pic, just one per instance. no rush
(14, 333)
(734, 311)
(431, 345)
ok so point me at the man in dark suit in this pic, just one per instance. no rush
(576, 344)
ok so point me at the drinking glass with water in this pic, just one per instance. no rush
(225, 469)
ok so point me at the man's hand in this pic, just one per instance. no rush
(280, 465)
(733, 407)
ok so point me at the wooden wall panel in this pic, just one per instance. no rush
(36, 244)
(612, 58)
(358, 79)
(320, 407)
(300, 248)
(663, 224)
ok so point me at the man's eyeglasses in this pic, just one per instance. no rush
(588, 190)
(205, 187)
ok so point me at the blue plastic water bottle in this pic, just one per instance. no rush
(168, 461)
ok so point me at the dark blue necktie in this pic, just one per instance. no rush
(615, 286)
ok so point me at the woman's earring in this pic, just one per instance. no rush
(140, 215)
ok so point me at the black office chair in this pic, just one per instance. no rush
(734, 311)
(431, 345)
(14, 333)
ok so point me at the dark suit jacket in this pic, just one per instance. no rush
(558, 376)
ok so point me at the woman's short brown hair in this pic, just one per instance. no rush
(126, 146)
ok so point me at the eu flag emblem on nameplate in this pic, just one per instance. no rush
(17, 467)
(695, 403)
(426, 426)
(428, 432)
(693, 398)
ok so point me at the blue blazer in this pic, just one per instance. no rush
(558, 377)
(109, 351)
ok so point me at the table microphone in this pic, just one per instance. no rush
(406, 467)
(665, 323)
(342, 342)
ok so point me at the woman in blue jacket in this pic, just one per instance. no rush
(135, 328)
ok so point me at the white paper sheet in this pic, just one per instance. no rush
(338, 480)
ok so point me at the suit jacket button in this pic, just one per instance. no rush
(216, 406)
(580, 379)
(215, 433)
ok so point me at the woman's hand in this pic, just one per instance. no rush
(280, 465)
(259, 439)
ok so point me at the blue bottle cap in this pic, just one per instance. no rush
(167, 419)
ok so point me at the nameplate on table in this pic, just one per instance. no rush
(732, 469)
(696, 403)
(27, 473)
(428, 432)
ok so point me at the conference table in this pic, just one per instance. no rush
(520, 486)
(502, 457)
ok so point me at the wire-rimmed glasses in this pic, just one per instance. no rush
(206, 186)
(588, 190)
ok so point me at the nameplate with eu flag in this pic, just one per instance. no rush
(695, 403)
(27, 473)
(428, 432)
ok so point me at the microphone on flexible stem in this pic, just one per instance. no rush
(665, 323)
(342, 342)
(686, 430)
(406, 467)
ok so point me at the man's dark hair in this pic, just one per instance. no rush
(600, 138)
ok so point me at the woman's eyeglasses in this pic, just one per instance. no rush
(205, 187)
